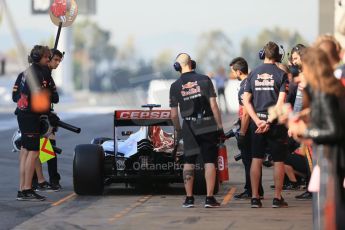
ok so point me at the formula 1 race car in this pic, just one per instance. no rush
(143, 152)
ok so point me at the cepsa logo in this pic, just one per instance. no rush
(142, 114)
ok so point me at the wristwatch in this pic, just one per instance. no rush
(312, 133)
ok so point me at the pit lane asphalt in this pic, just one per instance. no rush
(126, 208)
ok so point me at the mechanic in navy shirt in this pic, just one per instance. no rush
(29, 120)
(195, 95)
(267, 85)
(239, 69)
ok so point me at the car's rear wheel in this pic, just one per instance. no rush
(88, 169)
(199, 187)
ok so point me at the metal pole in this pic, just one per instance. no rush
(57, 36)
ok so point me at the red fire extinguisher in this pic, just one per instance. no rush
(223, 163)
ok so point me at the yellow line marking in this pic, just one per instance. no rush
(122, 213)
(228, 196)
(63, 199)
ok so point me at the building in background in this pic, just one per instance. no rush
(326, 16)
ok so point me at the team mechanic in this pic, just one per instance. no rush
(202, 125)
(28, 120)
(54, 176)
(239, 69)
(267, 85)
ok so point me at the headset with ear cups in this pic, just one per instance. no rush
(35, 54)
(279, 58)
(193, 64)
(262, 54)
(177, 66)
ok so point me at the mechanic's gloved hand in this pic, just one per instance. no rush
(221, 135)
(241, 141)
(53, 119)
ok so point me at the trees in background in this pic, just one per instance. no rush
(92, 48)
(101, 66)
(214, 50)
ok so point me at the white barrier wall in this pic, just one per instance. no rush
(231, 94)
(158, 93)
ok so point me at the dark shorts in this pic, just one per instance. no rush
(29, 125)
(200, 139)
(297, 162)
(274, 142)
(246, 151)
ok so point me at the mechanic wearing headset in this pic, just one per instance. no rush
(29, 120)
(267, 85)
(202, 125)
(54, 176)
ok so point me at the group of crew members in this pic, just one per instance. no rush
(292, 112)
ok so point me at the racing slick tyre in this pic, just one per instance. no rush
(199, 186)
(100, 140)
(88, 169)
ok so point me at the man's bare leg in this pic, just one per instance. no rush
(210, 177)
(30, 168)
(22, 159)
(279, 173)
(255, 173)
(39, 171)
(188, 178)
(290, 173)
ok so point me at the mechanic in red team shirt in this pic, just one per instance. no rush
(195, 95)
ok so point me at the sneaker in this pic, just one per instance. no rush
(30, 195)
(255, 203)
(287, 187)
(20, 195)
(305, 196)
(302, 187)
(242, 196)
(211, 202)
(34, 186)
(189, 202)
(55, 186)
(291, 186)
(279, 203)
(44, 187)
